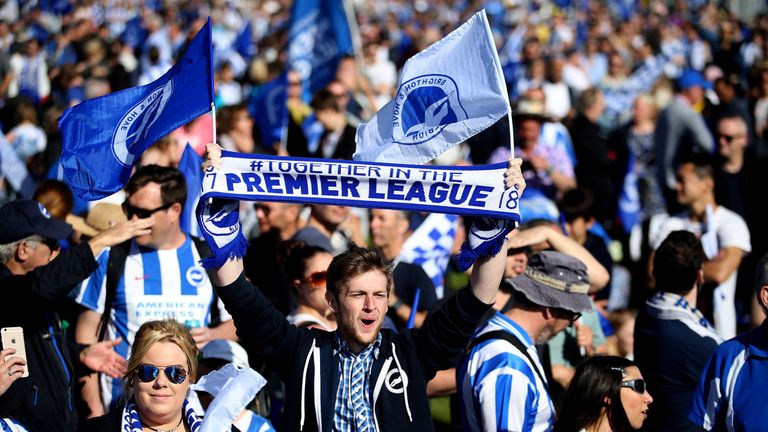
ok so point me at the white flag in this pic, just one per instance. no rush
(447, 93)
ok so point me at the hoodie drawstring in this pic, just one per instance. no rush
(304, 384)
(405, 383)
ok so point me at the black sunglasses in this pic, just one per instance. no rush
(148, 373)
(141, 213)
(638, 385)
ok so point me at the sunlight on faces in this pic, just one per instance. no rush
(689, 186)
(313, 295)
(360, 309)
(160, 401)
(515, 264)
(149, 198)
(387, 227)
(635, 404)
(38, 254)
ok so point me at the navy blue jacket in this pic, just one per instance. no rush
(305, 360)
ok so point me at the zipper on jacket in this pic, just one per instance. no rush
(55, 345)
(34, 395)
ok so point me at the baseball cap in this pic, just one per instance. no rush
(226, 350)
(553, 279)
(25, 217)
(691, 78)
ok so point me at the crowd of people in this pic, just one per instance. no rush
(632, 297)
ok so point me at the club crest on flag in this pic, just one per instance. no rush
(135, 123)
(424, 106)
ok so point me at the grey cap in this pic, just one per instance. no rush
(553, 279)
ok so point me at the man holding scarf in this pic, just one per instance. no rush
(361, 377)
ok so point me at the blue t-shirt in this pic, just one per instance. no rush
(732, 392)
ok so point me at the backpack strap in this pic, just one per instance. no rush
(115, 267)
(205, 251)
(512, 339)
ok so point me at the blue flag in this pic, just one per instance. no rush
(319, 37)
(268, 108)
(103, 137)
(629, 198)
(189, 165)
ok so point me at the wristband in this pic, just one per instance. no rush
(549, 170)
(397, 305)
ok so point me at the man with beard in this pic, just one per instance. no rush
(501, 380)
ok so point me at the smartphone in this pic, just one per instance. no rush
(13, 337)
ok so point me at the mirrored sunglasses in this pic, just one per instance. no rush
(148, 373)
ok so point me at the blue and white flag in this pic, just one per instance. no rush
(629, 198)
(268, 108)
(430, 247)
(447, 93)
(103, 137)
(319, 37)
(189, 165)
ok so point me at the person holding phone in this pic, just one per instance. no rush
(34, 276)
(11, 368)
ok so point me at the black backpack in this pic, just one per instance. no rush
(115, 267)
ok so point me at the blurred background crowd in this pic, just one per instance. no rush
(633, 118)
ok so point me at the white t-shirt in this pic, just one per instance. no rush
(725, 229)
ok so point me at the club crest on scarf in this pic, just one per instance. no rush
(220, 218)
(135, 123)
(423, 107)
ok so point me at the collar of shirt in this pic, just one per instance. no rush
(341, 347)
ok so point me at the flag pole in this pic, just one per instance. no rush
(213, 114)
(511, 133)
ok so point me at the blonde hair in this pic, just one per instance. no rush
(167, 330)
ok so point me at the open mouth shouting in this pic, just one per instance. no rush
(368, 324)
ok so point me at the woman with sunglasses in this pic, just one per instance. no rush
(306, 268)
(607, 394)
(162, 364)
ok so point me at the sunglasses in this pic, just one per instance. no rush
(638, 385)
(141, 213)
(148, 373)
(568, 315)
(316, 278)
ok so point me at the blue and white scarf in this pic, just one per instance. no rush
(11, 425)
(132, 423)
(470, 191)
(669, 306)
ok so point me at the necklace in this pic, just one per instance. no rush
(173, 429)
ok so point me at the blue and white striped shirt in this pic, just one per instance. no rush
(499, 388)
(156, 284)
(731, 395)
(344, 419)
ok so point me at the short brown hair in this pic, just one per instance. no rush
(167, 330)
(173, 187)
(354, 262)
